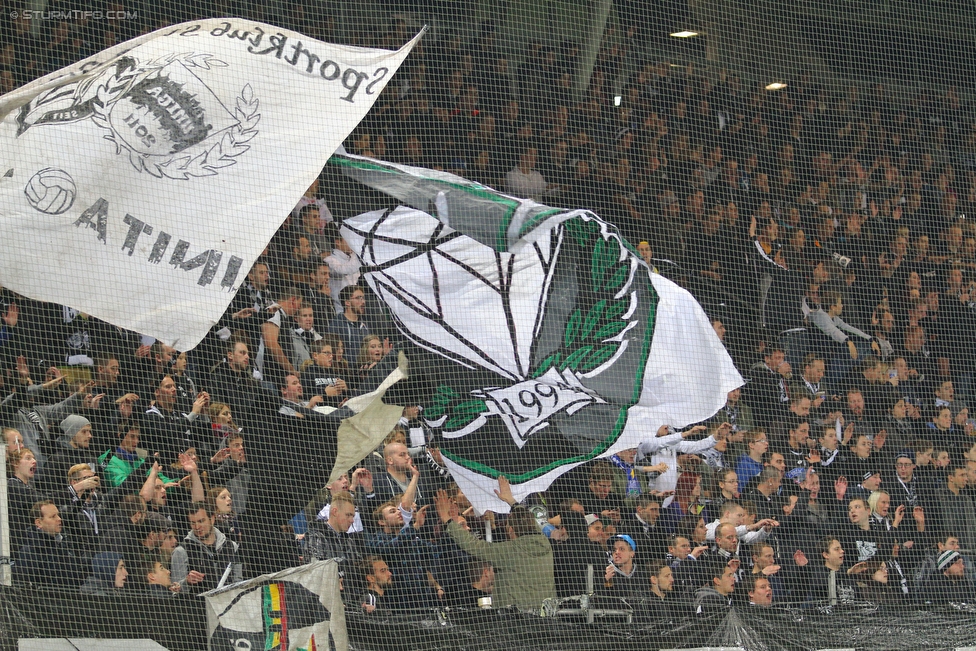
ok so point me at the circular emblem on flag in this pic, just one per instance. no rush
(51, 191)
(160, 113)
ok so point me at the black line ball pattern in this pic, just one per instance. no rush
(51, 191)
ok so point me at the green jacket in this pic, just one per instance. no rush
(117, 470)
(523, 567)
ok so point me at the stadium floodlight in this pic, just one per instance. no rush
(684, 34)
(776, 85)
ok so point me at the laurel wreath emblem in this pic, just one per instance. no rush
(222, 154)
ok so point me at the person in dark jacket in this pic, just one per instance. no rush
(767, 390)
(47, 559)
(331, 538)
(21, 495)
(623, 578)
(232, 380)
(950, 585)
(166, 429)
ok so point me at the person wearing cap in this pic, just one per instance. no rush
(870, 482)
(929, 565)
(74, 448)
(622, 577)
(586, 544)
(949, 584)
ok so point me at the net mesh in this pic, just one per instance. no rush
(642, 322)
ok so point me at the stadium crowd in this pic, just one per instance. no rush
(828, 236)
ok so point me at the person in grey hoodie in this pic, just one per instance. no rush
(716, 595)
(206, 559)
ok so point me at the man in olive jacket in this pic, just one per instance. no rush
(523, 563)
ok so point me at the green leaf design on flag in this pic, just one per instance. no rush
(460, 412)
(591, 322)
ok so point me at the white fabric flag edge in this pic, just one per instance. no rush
(179, 320)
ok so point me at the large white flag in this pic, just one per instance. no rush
(140, 185)
(299, 609)
(550, 342)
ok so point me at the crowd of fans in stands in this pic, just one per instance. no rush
(828, 235)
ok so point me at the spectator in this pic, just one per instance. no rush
(75, 444)
(477, 590)
(662, 586)
(760, 591)
(322, 377)
(524, 180)
(641, 524)
(344, 270)
(109, 575)
(950, 585)
(121, 462)
(827, 583)
(350, 325)
(331, 538)
(304, 337)
(153, 577)
(956, 512)
(248, 309)
(232, 378)
(600, 498)
(523, 563)
(666, 447)
(750, 464)
(716, 596)
(622, 578)
(768, 391)
(319, 295)
(47, 559)
(166, 429)
(21, 494)
(272, 362)
(379, 579)
(206, 559)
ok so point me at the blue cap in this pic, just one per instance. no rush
(797, 474)
(627, 539)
